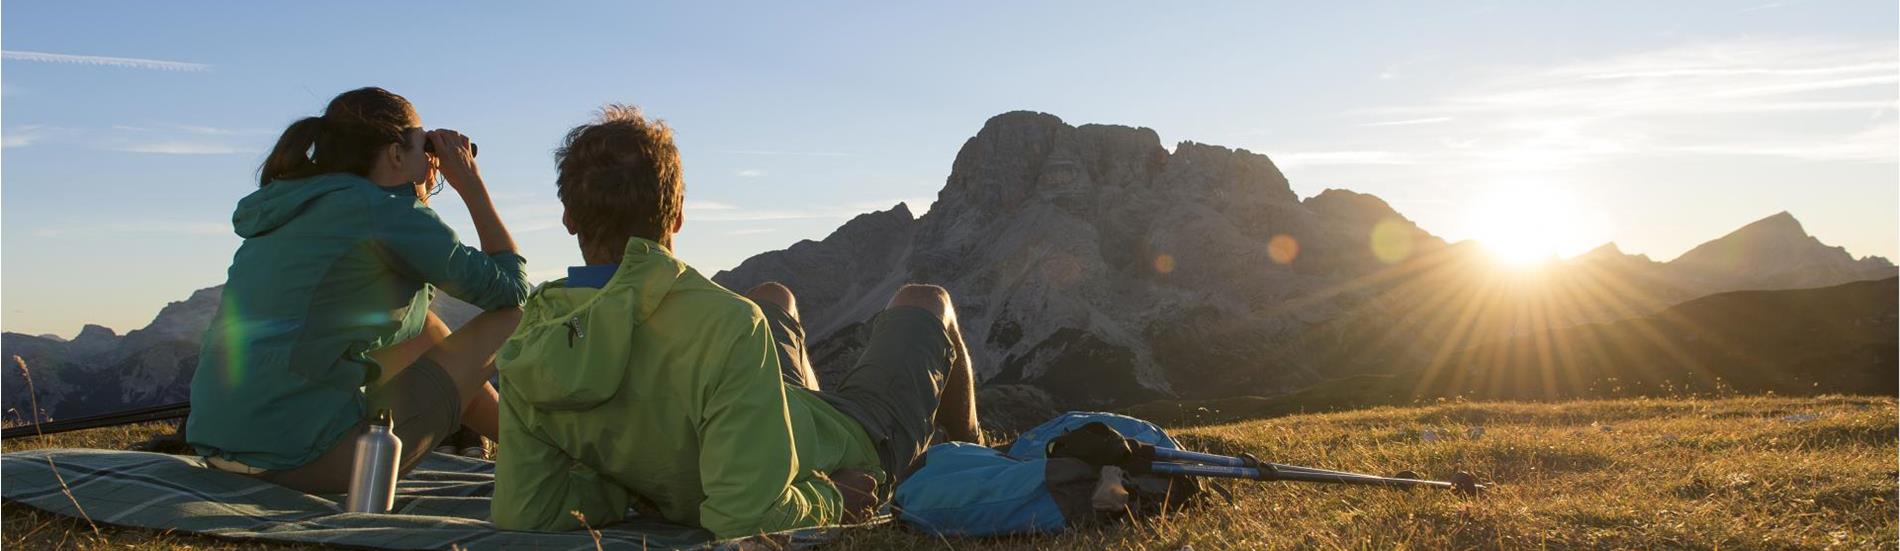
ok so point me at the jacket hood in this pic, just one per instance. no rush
(572, 347)
(274, 205)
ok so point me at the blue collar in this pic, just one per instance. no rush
(592, 276)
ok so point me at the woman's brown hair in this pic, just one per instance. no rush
(353, 128)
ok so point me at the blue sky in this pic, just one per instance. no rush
(131, 129)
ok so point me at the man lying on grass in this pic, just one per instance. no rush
(636, 379)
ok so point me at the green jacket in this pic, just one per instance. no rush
(665, 386)
(331, 267)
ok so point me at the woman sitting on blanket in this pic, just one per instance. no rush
(325, 315)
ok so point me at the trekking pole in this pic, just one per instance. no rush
(1099, 444)
(1248, 467)
(139, 415)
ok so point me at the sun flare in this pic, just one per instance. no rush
(1526, 226)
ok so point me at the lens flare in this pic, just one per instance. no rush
(1283, 249)
(1391, 241)
(233, 326)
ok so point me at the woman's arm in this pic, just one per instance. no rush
(419, 245)
(396, 357)
(457, 163)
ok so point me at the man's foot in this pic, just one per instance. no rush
(464, 442)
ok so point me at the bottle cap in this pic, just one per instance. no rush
(382, 418)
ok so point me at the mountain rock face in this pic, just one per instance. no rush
(1096, 266)
(1093, 263)
(100, 372)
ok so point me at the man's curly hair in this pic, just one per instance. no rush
(619, 177)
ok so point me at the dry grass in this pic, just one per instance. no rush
(1741, 473)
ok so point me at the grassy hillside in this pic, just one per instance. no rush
(1796, 473)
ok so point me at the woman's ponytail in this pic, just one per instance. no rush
(354, 128)
(291, 157)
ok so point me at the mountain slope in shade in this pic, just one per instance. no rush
(1832, 340)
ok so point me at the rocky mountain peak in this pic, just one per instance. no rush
(1350, 205)
(1606, 250)
(897, 218)
(94, 332)
(1610, 252)
(1771, 253)
(185, 319)
(1777, 223)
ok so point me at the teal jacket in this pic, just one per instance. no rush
(661, 386)
(332, 267)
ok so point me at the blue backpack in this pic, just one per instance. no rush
(970, 490)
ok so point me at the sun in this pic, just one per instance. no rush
(1526, 226)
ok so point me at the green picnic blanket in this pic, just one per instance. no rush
(442, 503)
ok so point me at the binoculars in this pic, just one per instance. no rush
(428, 146)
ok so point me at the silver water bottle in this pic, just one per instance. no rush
(373, 475)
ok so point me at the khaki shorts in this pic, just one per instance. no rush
(893, 389)
(424, 409)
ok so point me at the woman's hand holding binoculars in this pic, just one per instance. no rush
(454, 157)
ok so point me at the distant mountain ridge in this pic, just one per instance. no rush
(1092, 267)
(99, 371)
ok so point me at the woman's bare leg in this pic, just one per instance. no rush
(468, 355)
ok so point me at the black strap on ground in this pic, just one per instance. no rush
(140, 415)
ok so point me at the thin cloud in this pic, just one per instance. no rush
(708, 205)
(26, 134)
(16, 139)
(752, 231)
(1875, 145)
(188, 128)
(840, 212)
(1349, 157)
(183, 148)
(763, 215)
(104, 61)
(1407, 122)
(1725, 97)
(138, 228)
(784, 153)
(751, 173)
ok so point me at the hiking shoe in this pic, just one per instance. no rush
(466, 443)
